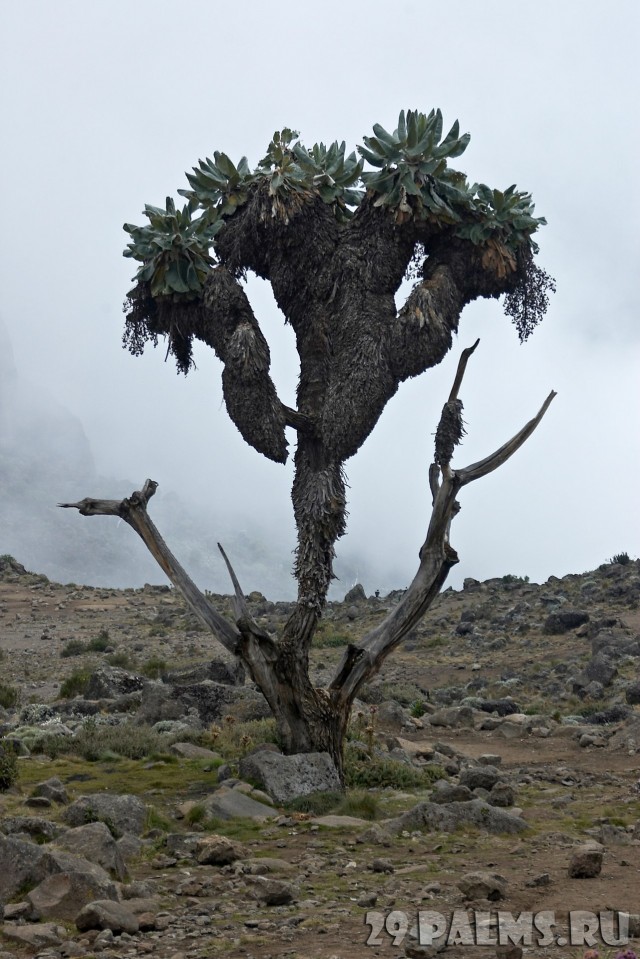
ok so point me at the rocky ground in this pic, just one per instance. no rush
(502, 740)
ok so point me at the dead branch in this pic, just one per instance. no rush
(492, 462)
(437, 557)
(133, 510)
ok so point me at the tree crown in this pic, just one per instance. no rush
(411, 179)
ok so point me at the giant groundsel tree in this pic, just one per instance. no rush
(334, 234)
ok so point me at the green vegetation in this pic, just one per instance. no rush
(8, 765)
(622, 558)
(196, 815)
(363, 771)
(318, 804)
(509, 578)
(154, 668)
(121, 660)
(76, 684)
(99, 643)
(326, 638)
(233, 739)
(74, 647)
(9, 696)
(96, 741)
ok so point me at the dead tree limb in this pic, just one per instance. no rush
(133, 510)
(437, 557)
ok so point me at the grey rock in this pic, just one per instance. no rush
(191, 751)
(447, 818)
(38, 935)
(457, 717)
(632, 693)
(37, 828)
(564, 620)
(105, 914)
(445, 792)
(355, 595)
(61, 896)
(209, 701)
(273, 892)
(122, 813)
(217, 850)
(483, 885)
(52, 789)
(129, 846)
(228, 803)
(586, 862)
(502, 795)
(107, 682)
(95, 843)
(483, 777)
(509, 730)
(601, 669)
(287, 777)
(21, 863)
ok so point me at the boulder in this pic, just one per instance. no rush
(355, 595)
(564, 620)
(39, 935)
(273, 892)
(52, 789)
(217, 850)
(457, 717)
(21, 864)
(632, 694)
(63, 895)
(449, 817)
(502, 795)
(121, 813)
(105, 914)
(483, 885)
(286, 778)
(38, 829)
(445, 792)
(95, 842)
(191, 751)
(601, 669)
(479, 777)
(228, 803)
(586, 861)
(108, 682)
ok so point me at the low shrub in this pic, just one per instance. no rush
(76, 684)
(233, 739)
(326, 638)
(9, 696)
(154, 668)
(380, 772)
(99, 643)
(623, 559)
(100, 742)
(74, 647)
(120, 660)
(8, 765)
(318, 804)
(358, 802)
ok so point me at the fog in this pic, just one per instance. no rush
(106, 105)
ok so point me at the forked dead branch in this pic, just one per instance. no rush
(334, 241)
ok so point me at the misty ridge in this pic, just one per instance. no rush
(46, 457)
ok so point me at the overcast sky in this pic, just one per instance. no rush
(106, 104)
